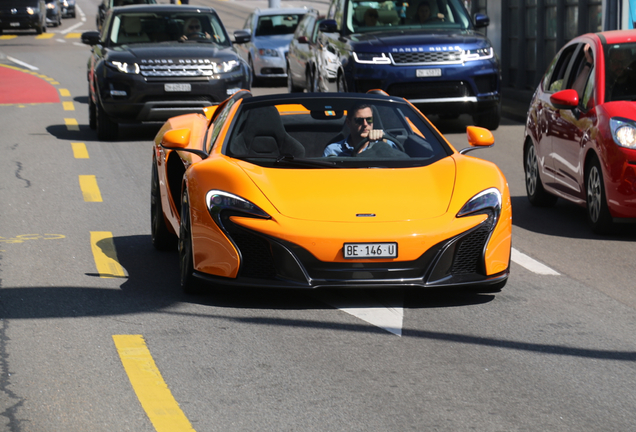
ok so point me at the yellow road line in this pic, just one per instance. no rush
(79, 150)
(7, 37)
(156, 398)
(68, 106)
(45, 36)
(65, 93)
(105, 255)
(71, 124)
(73, 36)
(90, 190)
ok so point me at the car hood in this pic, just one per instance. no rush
(417, 38)
(276, 41)
(172, 51)
(347, 195)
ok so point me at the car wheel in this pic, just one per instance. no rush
(488, 119)
(537, 195)
(315, 84)
(162, 238)
(309, 82)
(107, 128)
(598, 214)
(291, 88)
(92, 112)
(189, 283)
(342, 85)
(253, 79)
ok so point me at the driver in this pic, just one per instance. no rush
(192, 29)
(360, 123)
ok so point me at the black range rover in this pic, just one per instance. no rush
(23, 14)
(153, 62)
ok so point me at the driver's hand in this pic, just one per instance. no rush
(375, 134)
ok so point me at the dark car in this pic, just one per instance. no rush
(53, 13)
(23, 14)
(428, 52)
(580, 137)
(68, 8)
(107, 5)
(303, 55)
(148, 64)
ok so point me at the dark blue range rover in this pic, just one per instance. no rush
(426, 51)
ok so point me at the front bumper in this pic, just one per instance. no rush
(467, 88)
(269, 67)
(19, 21)
(270, 262)
(134, 98)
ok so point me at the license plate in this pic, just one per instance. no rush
(15, 24)
(370, 250)
(428, 72)
(177, 87)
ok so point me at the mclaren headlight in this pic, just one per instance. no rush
(226, 66)
(623, 132)
(485, 202)
(371, 58)
(219, 201)
(130, 68)
(478, 54)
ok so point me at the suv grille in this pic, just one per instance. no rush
(429, 57)
(177, 70)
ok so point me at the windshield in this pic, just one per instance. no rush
(317, 133)
(269, 25)
(129, 28)
(620, 72)
(371, 16)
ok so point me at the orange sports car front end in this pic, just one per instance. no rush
(251, 198)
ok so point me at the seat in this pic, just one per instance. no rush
(388, 17)
(265, 28)
(263, 134)
(132, 31)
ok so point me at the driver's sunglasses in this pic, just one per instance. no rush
(194, 27)
(360, 120)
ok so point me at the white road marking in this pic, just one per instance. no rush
(23, 64)
(531, 264)
(73, 27)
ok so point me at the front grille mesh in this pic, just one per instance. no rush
(177, 70)
(470, 251)
(429, 57)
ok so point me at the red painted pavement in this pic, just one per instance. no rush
(17, 87)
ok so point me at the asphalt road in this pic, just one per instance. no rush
(85, 347)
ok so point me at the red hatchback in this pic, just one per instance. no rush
(580, 137)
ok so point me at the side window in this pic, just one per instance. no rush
(580, 71)
(587, 101)
(556, 81)
(219, 121)
(309, 25)
(248, 23)
(332, 10)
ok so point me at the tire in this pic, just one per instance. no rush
(189, 284)
(162, 238)
(309, 82)
(92, 112)
(315, 83)
(535, 191)
(291, 88)
(342, 84)
(107, 128)
(598, 214)
(488, 119)
(253, 80)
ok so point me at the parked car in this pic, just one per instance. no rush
(68, 9)
(580, 136)
(249, 197)
(107, 5)
(303, 56)
(270, 32)
(23, 14)
(53, 13)
(148, 65)
(442, 65)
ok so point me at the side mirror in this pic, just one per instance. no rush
(481, 20)
(303, 40)
(328, 26)
(176, 139)
(478, 137)
(565, 99)
(242, 36)
(90, 37)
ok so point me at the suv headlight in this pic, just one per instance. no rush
(623, 132)
(478, 54)
(218, 201)
(50, 5)
(226, 66)
(371, 58)
(31, 10)
(131, 68)
(485, 202)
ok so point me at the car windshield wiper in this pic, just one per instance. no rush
(292, 160)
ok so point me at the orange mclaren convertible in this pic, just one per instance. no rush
(327, 190)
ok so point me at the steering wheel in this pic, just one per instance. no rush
(387, 136)
(196, 36)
